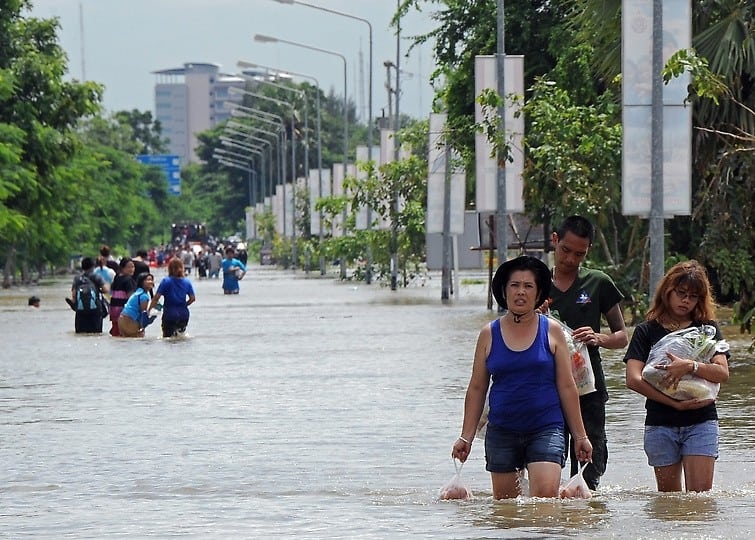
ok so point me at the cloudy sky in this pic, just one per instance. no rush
(124, 41)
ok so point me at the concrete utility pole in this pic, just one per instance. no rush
(501, 215)
(656, 222)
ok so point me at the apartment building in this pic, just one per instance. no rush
(189, 100)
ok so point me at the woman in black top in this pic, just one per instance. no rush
(681, 436)
(123, 285)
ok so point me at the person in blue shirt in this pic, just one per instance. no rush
(133, 318)
(525, 355)
(233, 271)
(179, 295)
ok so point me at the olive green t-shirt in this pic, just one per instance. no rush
(589, 298)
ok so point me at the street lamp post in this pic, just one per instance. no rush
(273, 137)
(238, 165)
(242, 65)
(252, 137)
(268, 39)
(303, 96)
(235, 90)
(228, 155)
(239, 111)
(368, 270)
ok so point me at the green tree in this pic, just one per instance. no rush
(46, 110)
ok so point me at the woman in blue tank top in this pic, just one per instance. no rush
(526, 356)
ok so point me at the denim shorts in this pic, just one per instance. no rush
(666, 445)
(510, 451)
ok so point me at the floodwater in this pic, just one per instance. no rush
(305, 408)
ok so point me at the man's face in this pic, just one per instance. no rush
(570, 251)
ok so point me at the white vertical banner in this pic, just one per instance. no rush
(436, 174)
(314, 196)
(278, 209)
(361, 176)
(437, 179)
(387, 148)
(250, 224)
(338, 176)
(387, 155)
(486, 168)
(288, 200)
(637, 86)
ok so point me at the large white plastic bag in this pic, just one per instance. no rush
(693, 343)
(579, 356)
(575, 487)
(455, 489)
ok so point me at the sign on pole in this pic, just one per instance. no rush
(486, 167)
(436, 182)
(637, 41)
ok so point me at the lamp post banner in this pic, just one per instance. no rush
(362, 157)
(387, 155)
(486, 168)
(338, 176)
(436, 182)
(278, 208)
(637, 50)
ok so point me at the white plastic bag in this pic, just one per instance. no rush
(698, 344)
(455, 489)
(575, 487)
(579, 356)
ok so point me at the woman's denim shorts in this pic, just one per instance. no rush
(666, 445)
(510, 451)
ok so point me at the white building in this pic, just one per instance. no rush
(189, 100)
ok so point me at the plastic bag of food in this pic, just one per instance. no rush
(581, 367)
(575, 487)
(455, 489)
(693, 343)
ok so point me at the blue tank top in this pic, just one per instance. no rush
(523, 396)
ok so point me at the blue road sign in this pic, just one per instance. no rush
(170, 166)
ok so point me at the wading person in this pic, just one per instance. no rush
(526, 356)
(123, 285)
(86, 299)
(233, 271)
(179, 295)
(681, 436)
(579, 297)
(134, 319)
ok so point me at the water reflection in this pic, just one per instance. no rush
(682, 507)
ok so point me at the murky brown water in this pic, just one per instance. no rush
(304, 408)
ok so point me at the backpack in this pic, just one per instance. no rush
(88, 298)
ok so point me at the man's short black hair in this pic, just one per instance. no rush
(577, 225)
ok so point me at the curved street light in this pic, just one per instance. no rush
(261, 38)
(236, 90)
(240, 111)
(250, 65)
(368, 270)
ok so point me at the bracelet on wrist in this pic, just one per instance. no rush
(695, 367)
(583, 438)
(462, 439)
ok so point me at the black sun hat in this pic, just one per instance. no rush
(525, 262)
